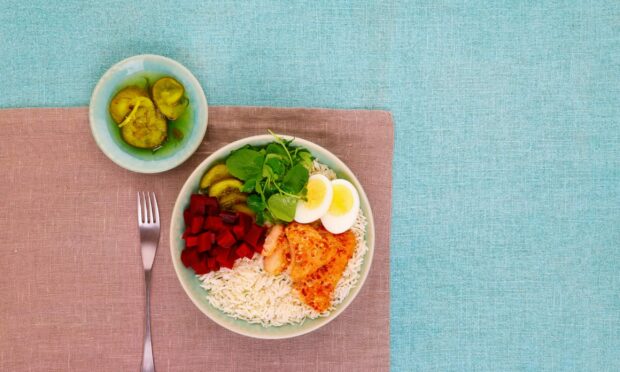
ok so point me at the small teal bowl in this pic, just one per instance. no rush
(184, 134)
(191, 284)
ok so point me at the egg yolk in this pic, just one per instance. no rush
(342, 201)
(316, 193)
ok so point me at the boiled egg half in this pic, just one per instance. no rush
(318, 199)
(342, 211)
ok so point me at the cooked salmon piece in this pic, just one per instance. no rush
(271, 240)
(317, 288)
(279, 256)
(309, 250)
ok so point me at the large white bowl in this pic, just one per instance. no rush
(190, 282)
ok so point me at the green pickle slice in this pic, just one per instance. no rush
(122, 103)
(144, 126)
(168, 95)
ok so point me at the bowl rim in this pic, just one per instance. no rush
(156, 166)
(313, 147)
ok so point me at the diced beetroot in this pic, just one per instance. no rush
(242, 226)
(189, 257)
(261, 242)
(205, 240)
(244, 251)
(187, 216)
(226, 239)
(232, 252)
(228, 217)
(253, 235)
(200, 267)
(212, 207)
(197, 204)
(222, 256)
(245, 220)
(228, 260)
(217, 250)
(229, 264)
(213, 264)
(196, 225)
(191, 241)
(238, 231)
(212, 252)
(215, 238)
(214, 223)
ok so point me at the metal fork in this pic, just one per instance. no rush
(148, 224)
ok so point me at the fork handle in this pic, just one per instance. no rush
(148, 364)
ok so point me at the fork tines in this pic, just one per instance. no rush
(147, 207)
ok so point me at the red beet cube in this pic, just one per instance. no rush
(197, 204)
(261, 242)
(226, 239)
(246, 220)
(244, 251)
(228, 260)
(222, 256)
(242, 226)
(187, 232)
(205, 241)
(212, 207)
(212, 252)
(187, 216)
(228, 264)
(211, 262)
(214, 223)
(253, 236)
(200, 267)
(196, 225)
(188, 257)
(191, 241)
(216, 250)
(202, 204)
(238, 231)
(228, 217)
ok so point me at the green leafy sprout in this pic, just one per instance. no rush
(275, 176)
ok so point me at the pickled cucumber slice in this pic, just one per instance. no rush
(123, 102)
(227, 201)
(224, 187)
(213, 175)
(168, 94)
(144, 126)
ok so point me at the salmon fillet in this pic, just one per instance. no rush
(317, 288)
(309, 250)
(279, 256)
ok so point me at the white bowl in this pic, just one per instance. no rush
(106, 132)
(191, 283)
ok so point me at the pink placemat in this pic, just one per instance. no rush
(70, 270)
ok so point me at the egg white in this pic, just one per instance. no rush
(339, 224)
(303, 214)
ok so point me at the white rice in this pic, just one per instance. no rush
(319, 168)
(249, 293)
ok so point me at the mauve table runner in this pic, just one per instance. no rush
(72, 278)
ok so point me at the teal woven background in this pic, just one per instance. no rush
(506, 218)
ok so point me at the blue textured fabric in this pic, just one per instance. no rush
(506, 219)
